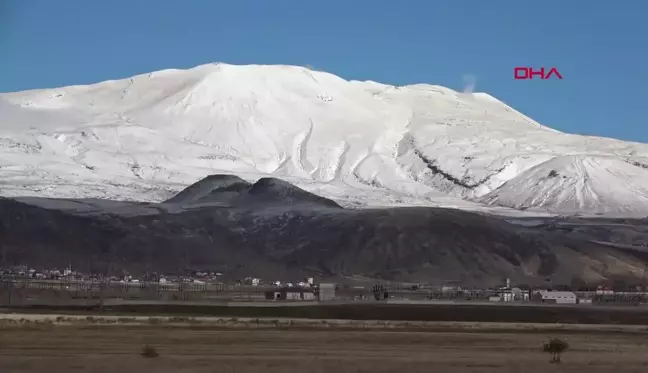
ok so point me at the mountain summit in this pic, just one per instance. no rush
(358, 143)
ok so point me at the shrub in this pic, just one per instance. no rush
(555, 346)
(149, 351)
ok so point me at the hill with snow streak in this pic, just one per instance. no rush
(359, 143)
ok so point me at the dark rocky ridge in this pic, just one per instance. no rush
(275, 230)
(233, 191)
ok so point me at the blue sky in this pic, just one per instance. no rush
(600, 47)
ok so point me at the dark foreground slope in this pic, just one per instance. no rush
(273, 229)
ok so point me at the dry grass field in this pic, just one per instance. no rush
(88, 345)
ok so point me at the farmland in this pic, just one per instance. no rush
(37, 343)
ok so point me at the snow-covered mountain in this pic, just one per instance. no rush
(359, 143)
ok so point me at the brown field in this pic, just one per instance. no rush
(90, 345)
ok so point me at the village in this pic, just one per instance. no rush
(209, 286)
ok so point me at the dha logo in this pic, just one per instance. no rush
(527, 73)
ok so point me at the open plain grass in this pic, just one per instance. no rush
(58, 343)
(463, 312)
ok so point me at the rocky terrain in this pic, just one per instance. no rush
(273, 229)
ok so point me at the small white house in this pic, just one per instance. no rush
(560, 297)
(512, 295)
(290, 294)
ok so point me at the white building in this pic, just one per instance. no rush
(561, 297)
(326, 292)
(510, 295)
(290, 294)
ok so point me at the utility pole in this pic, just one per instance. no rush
(105, 281)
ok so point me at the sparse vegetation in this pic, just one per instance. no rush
(114, 349)
(173, 313)
(556, 347)
(178, 319)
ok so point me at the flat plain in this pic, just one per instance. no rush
(200, 347)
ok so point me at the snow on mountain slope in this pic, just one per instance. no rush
(360, 143)
(573, 184)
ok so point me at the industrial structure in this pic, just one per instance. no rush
(290, 294)
(321, 292)
(325, 292)
(560, 297)
(509, 294)
(380, 292)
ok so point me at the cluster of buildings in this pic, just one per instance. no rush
(293, 291)
(320, 292)
(516, 294)
(67, 274)
(24, 272)
(196, 280)
(537, 296)
(309, 290)
(602, 293)
(255, 281)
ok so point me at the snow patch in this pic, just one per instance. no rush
(363, 143)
